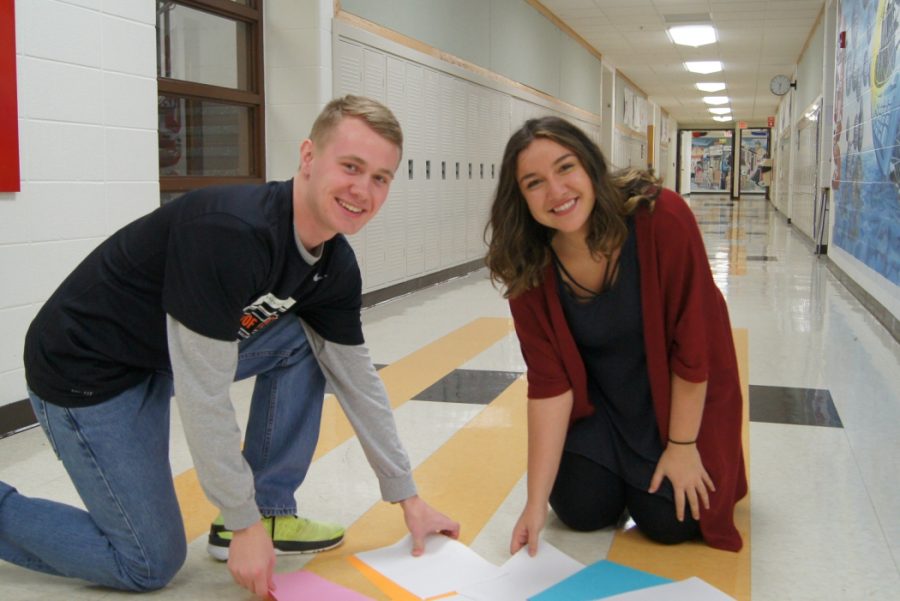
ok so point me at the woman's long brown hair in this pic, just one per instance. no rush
(519, 246)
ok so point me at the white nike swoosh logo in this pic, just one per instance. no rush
(319, 278)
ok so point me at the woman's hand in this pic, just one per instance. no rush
(548, 421)
(528, 528)
(681, 464)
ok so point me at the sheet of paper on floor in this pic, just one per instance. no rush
(306, 586)
(522, 575)
(446, 566)
(599, 580)
(692, 589)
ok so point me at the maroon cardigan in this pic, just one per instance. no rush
(686, 332)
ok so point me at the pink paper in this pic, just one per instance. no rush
(306, 586)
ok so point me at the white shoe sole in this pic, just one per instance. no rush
(221, 553)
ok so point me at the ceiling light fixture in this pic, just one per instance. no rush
(703, 67)
(720, 111)
(692, 35)
(710, 87)
(722, 118)
(715, 99)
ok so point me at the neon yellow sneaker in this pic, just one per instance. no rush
(290, 534)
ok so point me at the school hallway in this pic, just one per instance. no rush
(824, 404)
(114, 109)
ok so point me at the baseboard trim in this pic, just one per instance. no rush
(15, 417)
(869, 302)
(384, 294)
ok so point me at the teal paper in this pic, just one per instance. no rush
(599, 580)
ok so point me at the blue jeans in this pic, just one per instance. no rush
(117, 453)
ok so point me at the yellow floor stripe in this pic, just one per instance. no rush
(403, 378)
(196, 511)
(417, 371)
(730, 572)
(468, 478)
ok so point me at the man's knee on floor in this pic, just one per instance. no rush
(157, 571)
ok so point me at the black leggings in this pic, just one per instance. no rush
(587, 496)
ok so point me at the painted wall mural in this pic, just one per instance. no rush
(754, 149)
(866, 177)
(711, 161)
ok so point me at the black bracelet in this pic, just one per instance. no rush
(683, 442)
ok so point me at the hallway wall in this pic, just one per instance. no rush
(849, 156)
(87, 122)
(866, 209)
(493, 35)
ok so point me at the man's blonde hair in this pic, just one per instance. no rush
(376, 115)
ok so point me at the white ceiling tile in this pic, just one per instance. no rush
(622, 4)
(580, 13)
(555, 5)
(680, 6)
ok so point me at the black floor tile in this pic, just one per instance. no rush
(468, 386)
(801, 406)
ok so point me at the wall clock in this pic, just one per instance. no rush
(780, 85)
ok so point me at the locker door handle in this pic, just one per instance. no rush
(410, 168)
(428, 169)
(443, 169)
(470, 170)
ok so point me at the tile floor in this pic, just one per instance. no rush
(824, 410)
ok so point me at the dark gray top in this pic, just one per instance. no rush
(622, 434)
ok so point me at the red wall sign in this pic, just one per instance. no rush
(771, 121)
(9, 113)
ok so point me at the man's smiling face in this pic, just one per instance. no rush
(348, 177)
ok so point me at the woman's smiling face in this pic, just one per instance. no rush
(557, 188)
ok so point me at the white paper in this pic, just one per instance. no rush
(446, 566)
(692, 589)
(523, 576)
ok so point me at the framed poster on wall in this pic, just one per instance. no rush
(9, 114)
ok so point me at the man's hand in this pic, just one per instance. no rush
(422, 520)
(251, 559)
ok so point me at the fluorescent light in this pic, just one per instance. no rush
(692, 35)
(710, 87)
(722, 118)
(715, 99)
(703, 67)
(720, 111)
